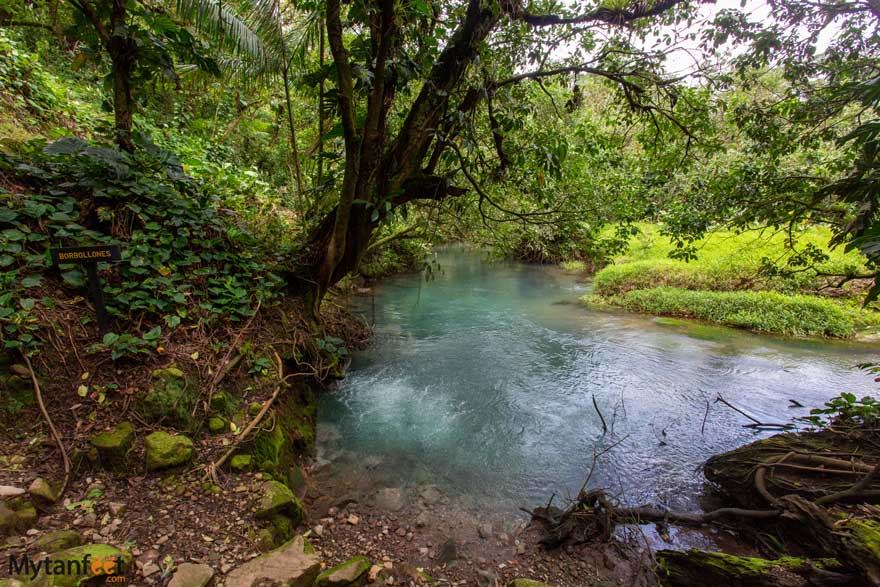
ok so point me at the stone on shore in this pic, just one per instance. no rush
(277, 498)
(191, 575)
(351, 573)
(286, 566)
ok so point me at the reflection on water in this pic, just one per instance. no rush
(482, 381)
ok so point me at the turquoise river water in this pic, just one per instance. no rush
(482, 382)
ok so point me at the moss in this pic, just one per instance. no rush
(241, 463)
(167, 450)
(277, 498)
(113, 445)
(275, 450)
(171, 399)
(351, 572)
(217, 424)
(105, 560)
(716, 568)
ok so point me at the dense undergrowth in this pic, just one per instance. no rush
(760, 280)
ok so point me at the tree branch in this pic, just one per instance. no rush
(602, 15)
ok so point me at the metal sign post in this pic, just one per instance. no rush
(90, 257)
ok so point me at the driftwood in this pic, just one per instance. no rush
(800, 483)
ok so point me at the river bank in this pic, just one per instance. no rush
(765, 281)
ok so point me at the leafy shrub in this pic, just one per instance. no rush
(182, 260)
(846, 410)
(798, 315)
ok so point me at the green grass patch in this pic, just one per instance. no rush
(574, 266)
(762, 311)
(727, 261)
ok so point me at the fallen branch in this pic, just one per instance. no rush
(595, 405)
(212, 468)
(39, 396)
(757, 423)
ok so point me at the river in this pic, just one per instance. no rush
(482, 380)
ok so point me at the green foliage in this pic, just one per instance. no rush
(182, 261)
(846, 410)
(764, 311)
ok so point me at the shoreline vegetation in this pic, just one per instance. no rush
(736, 280)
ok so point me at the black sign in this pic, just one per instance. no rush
(82, 255)
(90, 256)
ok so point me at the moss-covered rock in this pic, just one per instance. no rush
(697, 567)
(170, 399)
(241, 463)
(351, 573)
(217, 424)
(43, 492)
(8, 519)
(277, 498)
(84, 563)
(113, 445)
(57, 540)
(167, 450)
(221, 402)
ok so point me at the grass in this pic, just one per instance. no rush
(762, 311)
(725, 285)
(574, 266)
(726, 261)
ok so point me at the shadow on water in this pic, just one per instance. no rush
(482, 381)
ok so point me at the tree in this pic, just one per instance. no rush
(405, 86)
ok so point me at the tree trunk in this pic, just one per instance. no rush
(123, 54)
(122, 103)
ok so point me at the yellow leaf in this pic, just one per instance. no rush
(195, 356)
(85, 376)
(82, 390)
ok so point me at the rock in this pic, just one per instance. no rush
(287, 566)
(216, 424)
(486, 578)
(431, 495)
(26, 514)
(319, 530)
(11, 583)
(42, 492)
(10, 491)
(351, 573)
(191, 575)
(353, 520)
(448, 552)
(390, 499)
(116, 508)
(113, 445)
(150, 568)
(221, 402)
(485, 531)
(526, 583)
(166, 450)
(170, 400)
(57, 540)
(423, 519)
(8, 519)
(401, 532)
(241, 463)
(103, 560)
(277, 498)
